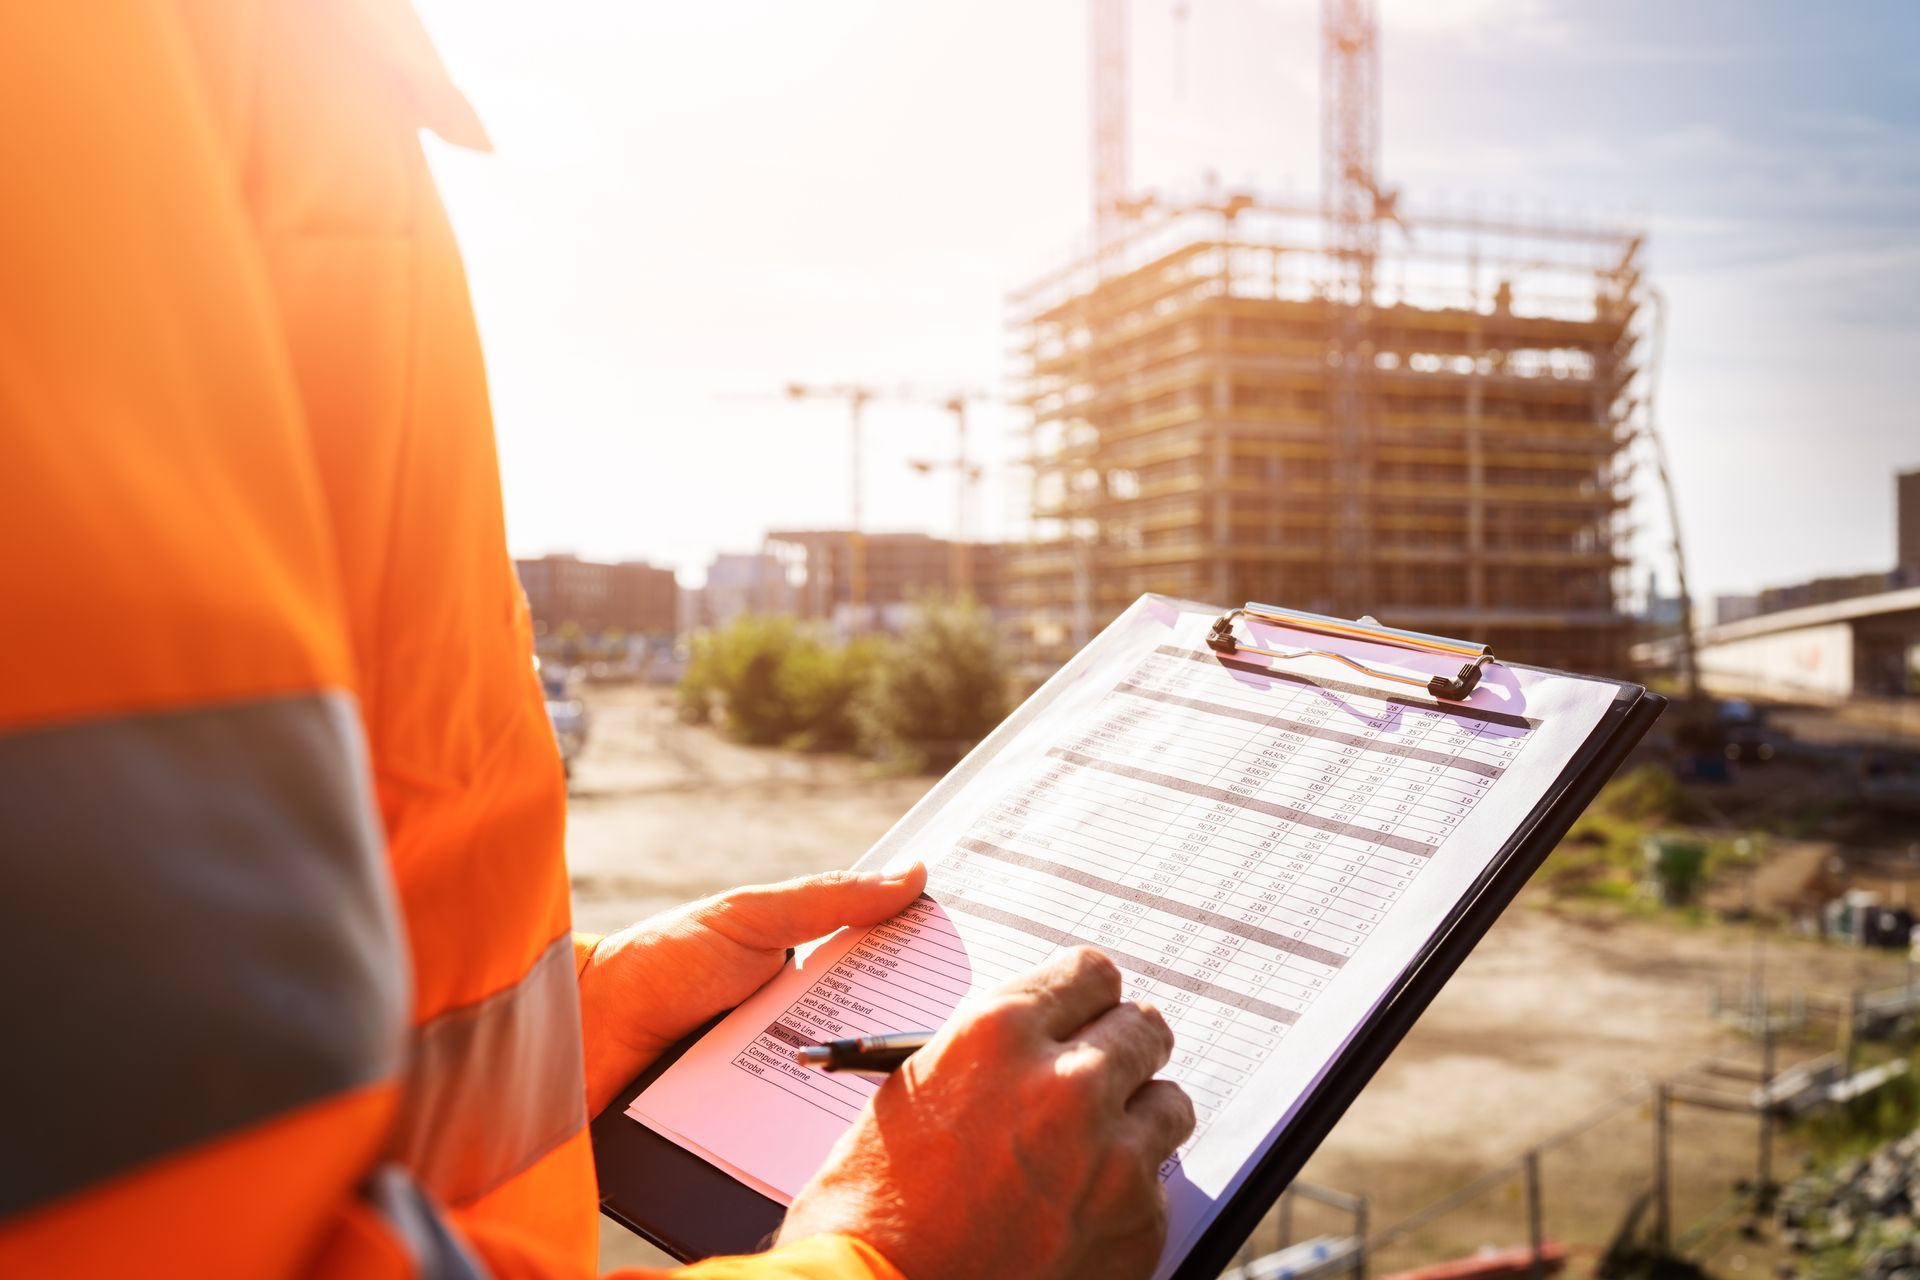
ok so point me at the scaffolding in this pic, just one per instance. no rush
(1217, 406)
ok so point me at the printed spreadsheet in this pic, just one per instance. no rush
(1228, 836)
(1253, 843)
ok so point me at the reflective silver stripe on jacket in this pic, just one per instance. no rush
(197, 933)
(436, 1253)
(496, 1084)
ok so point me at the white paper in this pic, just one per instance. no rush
(1263, 855)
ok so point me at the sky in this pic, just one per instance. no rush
(689, 206)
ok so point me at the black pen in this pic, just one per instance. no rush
(869, 1055)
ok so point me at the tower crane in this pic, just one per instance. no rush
(857, 397)
(1353, 204)
(968, 473)
(1108, 109)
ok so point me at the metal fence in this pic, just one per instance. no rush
(1560, 1199)
(1311, 1232)
(1669, 1167)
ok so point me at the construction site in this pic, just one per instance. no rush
(1359, 404)
(1342, 405)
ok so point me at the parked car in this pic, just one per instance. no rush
(567, 713)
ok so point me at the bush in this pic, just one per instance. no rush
(748, 657)
(772, 680)
(1602, 855)
(921, 699)
(1647, 793)
(819, 684)
(937, 690)
(696, 694)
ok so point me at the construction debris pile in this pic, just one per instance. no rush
(1864, 1207)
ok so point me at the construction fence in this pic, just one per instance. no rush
(1682, 1167)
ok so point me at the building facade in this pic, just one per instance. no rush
(741, 583)
(899, 569)
(1219, 412)
(631, 597)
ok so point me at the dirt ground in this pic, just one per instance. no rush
(661, 813)
(1554, 1014)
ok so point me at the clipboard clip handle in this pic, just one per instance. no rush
(1456, 688)
(1461, 686)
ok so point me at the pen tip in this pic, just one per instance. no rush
(813, 1055)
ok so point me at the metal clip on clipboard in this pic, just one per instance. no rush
(1456, 688)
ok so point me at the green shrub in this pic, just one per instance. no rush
(1647, 793)
(1601, 855)
(773, 680)
(819, 683)
(920, 699)
(748, 655)
(697, 692)
(1867, 1121)
(937, 690)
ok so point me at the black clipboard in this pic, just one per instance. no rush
(692, 1210)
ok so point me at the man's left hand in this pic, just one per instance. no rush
(650, 984)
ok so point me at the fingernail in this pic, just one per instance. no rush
(900, 870)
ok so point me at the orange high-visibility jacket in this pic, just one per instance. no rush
(288, 987)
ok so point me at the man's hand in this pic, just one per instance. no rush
(650, 984)
(1025, 1141)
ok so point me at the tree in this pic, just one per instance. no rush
(774, 681)
(937, 690)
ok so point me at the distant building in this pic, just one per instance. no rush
(1907, 521)
(1824, 640)
(633, 597)
(644, 599)
(900, 568)
(1824, 653)
(1832, 590)
(1853, 586)
(740, 583)
(1734, 608)
(1661, 613)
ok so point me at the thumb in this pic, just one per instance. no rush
(772, 916)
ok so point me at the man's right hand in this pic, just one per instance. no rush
(1026, 1140)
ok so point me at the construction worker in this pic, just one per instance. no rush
(289, 987)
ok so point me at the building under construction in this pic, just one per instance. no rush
(1217, 415)
(1334, 406)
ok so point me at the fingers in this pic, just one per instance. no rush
(1070, 990)
(769, 917)
(1164, 1113)
(1133, 1042)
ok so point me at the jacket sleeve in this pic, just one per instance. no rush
(583, 945)
(207, 1083)
(206, 1080)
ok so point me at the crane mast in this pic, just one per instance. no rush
(1351, 208)
(857, 398)
(1353, 203)
(1108, 92)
